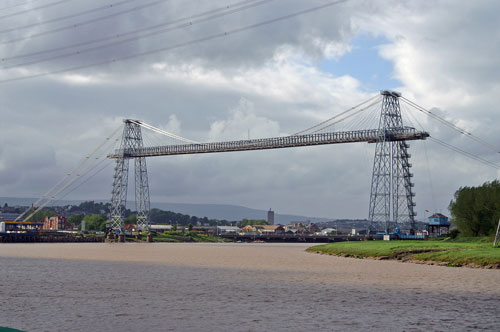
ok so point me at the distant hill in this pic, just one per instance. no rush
(211, 211)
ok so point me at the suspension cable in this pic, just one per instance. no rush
(465, 153)
(336, 116)
(348, 116)
(88, 178)
(86, 159)
(104, 153)
(163, 132)
(450, 124)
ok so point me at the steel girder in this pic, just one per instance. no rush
(391, 196)
(131, 141)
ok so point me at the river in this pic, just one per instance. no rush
(234, 287)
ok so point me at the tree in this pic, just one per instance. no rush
(132, 219)
(190, 227)
(76, 219)
(476, 210)
(252, 222)
(95, 222)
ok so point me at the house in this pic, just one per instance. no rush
(130, 227)
(270, 229)
(249, 229)
(438, 224)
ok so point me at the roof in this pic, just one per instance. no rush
(438, 215)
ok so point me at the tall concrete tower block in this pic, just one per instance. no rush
(270, 217)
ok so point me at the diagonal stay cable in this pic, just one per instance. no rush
(53, 196)
(163, 132)
(348, 116)
(90, 177)
(179, 45)
(80, 165)
(465, 153)
(335, 116)
(450, 125)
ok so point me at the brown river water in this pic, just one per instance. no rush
(234, 287)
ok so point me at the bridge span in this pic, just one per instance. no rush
(370, 136)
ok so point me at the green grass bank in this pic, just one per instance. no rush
(186, 237)
(474, 252)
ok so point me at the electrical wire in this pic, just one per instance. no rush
(76, 25)
(65, 17)
(18, 5)
(120, 35)
(179, 45)
(128, 40)
(24, 11)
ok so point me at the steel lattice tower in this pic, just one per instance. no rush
(391, 198)
(131, 142)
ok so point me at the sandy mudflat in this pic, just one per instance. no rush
(290, 261)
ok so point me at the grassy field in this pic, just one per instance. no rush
(185, 237)
(457, 252)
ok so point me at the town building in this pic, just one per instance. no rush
(56, 223)
(270, 217)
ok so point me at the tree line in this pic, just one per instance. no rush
(95, 216)
(476, 210)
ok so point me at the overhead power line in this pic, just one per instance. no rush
(124, 34)
(18, 5)
(51, 4)
(150, 34)
(179, 45)
(76, 25)
(65, 17)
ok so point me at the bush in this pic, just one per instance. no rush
(454, 233)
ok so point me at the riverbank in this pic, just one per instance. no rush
(469, 252)
(234, 287)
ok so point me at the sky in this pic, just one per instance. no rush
(73, 70)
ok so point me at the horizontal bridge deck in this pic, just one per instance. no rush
(370, 136)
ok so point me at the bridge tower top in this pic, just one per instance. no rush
(390, 93)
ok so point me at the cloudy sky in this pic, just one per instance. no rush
(73, 69)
